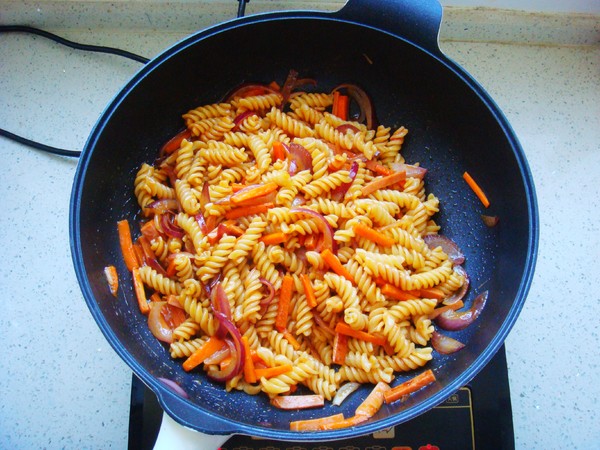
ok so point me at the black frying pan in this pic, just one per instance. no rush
(390, 49)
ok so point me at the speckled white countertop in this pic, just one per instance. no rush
(62, 386)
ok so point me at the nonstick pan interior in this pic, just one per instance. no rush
(452, 126)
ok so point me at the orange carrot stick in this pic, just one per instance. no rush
(454, 306)
(110, 272)
(410, 386)
(376, 167)
(285, 297)
(140, 293)
(373, 402)
(476, 189)
(432, 292)
(373, 235)
(208, 348)
(271, 372)
(315, 424)
(291, 339)
(334, 263)
(342, 107)
(340, 348)
(249, 374)
(127, 244)
(278, 237)
(298, 401)
(243, 211)
(344, 328)
(251, 193)
(389, 290)
(346, 423)
(334, 105)
(380, 183)
(311, 300)
(278, 151)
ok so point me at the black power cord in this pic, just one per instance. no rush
(71, 44)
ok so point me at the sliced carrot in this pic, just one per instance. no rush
(373, 402)
(271, 372)
(298, 401)
(149, 231)
(285, 298)
(175, 142)
(344, 328)
(373, 235)
(140, 292)
(127, 245)
(249, 374)
(410, 386)
(340, 348)
(278, 237)
(155, 297)
(311, 300)
(334, 264)
(236, 187)
(315, 424)
(476, 189)
(342, 107)
(432, 292)
(389, 290)
(243, 211)
(346, 423)
(279, 152)
(380, 183)
(378, 168)
(454, 306)
(208, 348)
(110, 272)
(291, 339)
(252, 193)
(379, 281)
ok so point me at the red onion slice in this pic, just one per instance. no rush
(490, 221)
(339, 192)
(173, 386)
(444, 344)
(246, 89)
(344, 128)
(240, 118)
(324, 227)
(157, 325)
(288, 86)
(163, 206)
(236, 347)
(300, 158)
(449, 246)
(169, 227)
(453, 321)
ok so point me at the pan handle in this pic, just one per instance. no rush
(417, 21)
(172, 435)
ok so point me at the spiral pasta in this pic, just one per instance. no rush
(262, 186)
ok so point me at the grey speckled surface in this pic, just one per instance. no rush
(62, 386)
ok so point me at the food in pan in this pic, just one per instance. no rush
(285, 242)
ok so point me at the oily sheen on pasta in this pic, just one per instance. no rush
(331, 165)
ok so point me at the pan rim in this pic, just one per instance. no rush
(166, 396)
